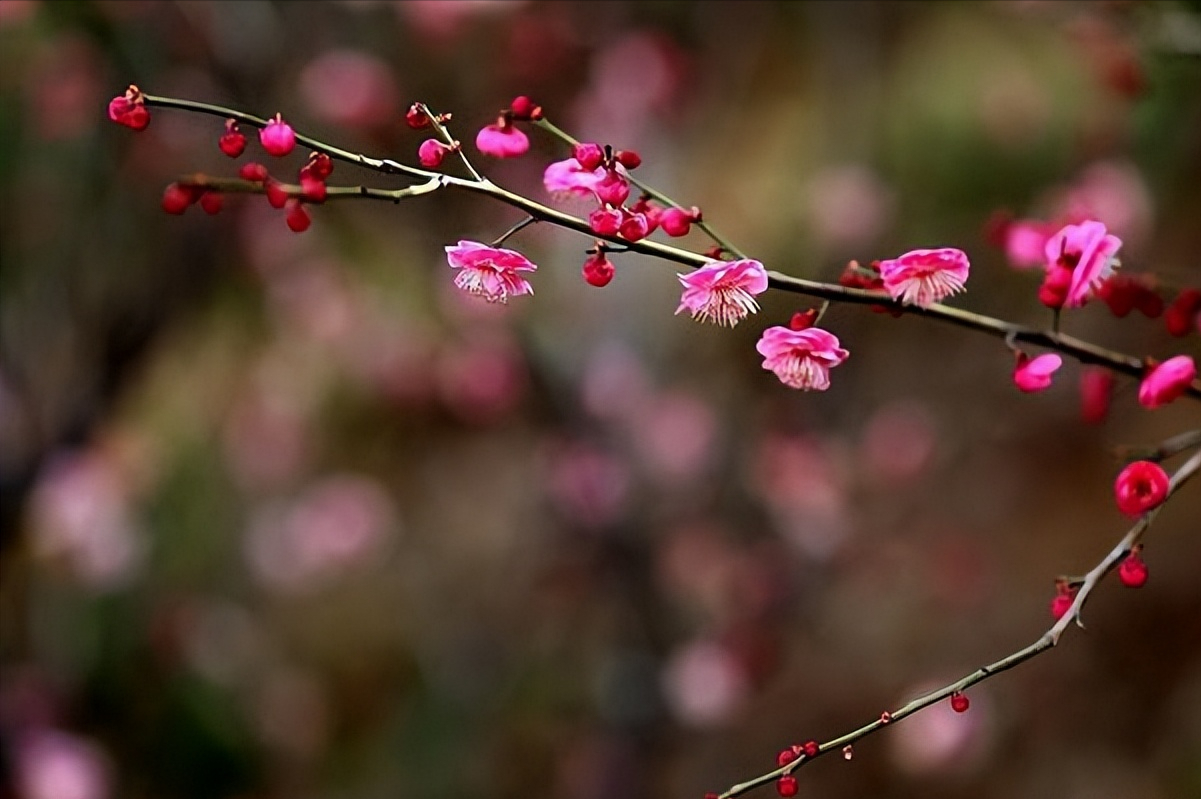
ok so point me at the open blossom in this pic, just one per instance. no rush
(1167, 381)
(1088, 249)
(568, 177)
(1140, 487)
(723, 292)
(489, 272)
(801, 358)
(1034, 374)
(923, 277)
(502, 140)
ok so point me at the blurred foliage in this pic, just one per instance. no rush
(288, 516)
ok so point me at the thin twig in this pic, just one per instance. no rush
(1048, 640)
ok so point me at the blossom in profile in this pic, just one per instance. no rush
(502, 139)
(924, 277)
(129, 109)
(1088, 249)
(489, 272)
(1034, 374)
(569, 178)
(1167, 381)
(723, 292)
(802, 359)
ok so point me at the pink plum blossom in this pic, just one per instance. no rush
(1088, 250)
(1167, 381)
(801, 358)
(923, 277)
(723, 292)
(490, 272)
(1026, 243)
(1034, 374)
(502, 140)
(568, 178)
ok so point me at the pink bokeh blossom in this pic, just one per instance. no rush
(56, 765)
(704, 684)
(1088, 249)
(723, 292)
(924, 277)
(1167, 381)
(489, 272)
(1034, 374)
(802, 359)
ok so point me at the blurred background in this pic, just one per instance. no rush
(289, 516)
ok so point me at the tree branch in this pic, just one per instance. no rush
(1081, 350)
(1048, 640)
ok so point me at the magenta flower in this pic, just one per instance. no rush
(723, 292)
(801, 358)
(278, 138)
(502, 140)
(489, 272)
(1088, 250)
(1034, 374)
(568, 177)
(1167, 381)
(923, 277)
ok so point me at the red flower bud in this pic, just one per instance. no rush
(232, 142)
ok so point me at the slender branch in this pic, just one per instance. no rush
(383, 165)
(529, 220)
(1048, 640)
(1083, 351)
(1166, 449)
(230, 186)
(442, 131)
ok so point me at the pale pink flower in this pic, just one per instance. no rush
(1088, 250)
(502, 140)
(1034, 374)
(490, 272)
(1167, 381)
(801, 358)
(569, 178)
(723, 292)
(1026, 243)
(923, 277)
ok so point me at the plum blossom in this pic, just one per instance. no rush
(489, 272)
(1167, 381)
(569, 178)
(1140, 487)
(502, 140)
(923, 277)
(1034, 374)
(723, 292)
(1087, 249)
(801, 358)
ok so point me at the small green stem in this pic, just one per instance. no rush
(529, 220)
